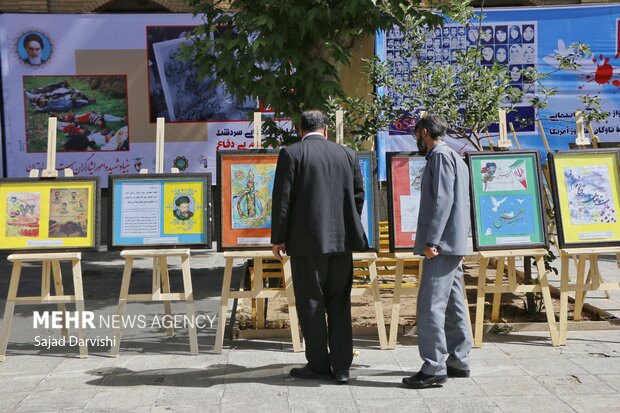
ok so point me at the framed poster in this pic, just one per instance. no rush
(49, 214)
(159, 211)
(586, 197)
(404, 175)
(370, 213)
(506, 200)
(245, 183)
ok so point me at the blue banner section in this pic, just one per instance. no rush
(520, 38)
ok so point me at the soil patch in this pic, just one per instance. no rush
(513, 308)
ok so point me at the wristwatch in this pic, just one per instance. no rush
(437, 247)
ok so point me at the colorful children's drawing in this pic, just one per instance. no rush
(67, 218)
(504, 175)
(251, 191)
(589, 193)
(23, 214)
(507, 215)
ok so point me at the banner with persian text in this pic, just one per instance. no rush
(107, 78)
(520, 38)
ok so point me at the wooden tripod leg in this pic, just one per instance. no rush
(189, 304)
(162, 262)
(564, 281)
(580, 293)
(398, 282)
(292, 309)
(122, 304)
(497, 295)
(59, 290)
(544, 286)
(482, 280)
(79, 304)
(257, 286)
(376, 296)
(9, 308)
(221, 322)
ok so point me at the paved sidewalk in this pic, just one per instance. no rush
(518, 372)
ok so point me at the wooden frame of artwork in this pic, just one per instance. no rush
(507, 208)
(404, 177)
(245, 185)
(586, 197)
(43, 214)
(370, 214)
(159, 211)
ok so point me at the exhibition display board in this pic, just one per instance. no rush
(159, 211)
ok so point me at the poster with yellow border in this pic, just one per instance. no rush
(586, 187)
(49, 214)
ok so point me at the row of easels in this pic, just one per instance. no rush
(260, 293)
(584, 282)
(50, 263)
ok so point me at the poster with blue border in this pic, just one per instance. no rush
(527, 37)
(159, 210)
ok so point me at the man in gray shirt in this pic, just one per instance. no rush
(444, 338)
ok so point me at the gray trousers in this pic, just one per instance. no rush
(443, 331)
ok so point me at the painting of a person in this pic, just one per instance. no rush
(182, 212)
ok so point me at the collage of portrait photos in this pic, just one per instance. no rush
(511, 44)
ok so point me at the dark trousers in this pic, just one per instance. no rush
(322, 285)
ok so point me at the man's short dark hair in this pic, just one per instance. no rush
(31, 37)
(182, 200)
(312, 120)
(436, 125)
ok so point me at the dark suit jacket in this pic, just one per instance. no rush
(318, 196)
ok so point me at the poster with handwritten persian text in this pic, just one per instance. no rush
(586, 197)
(589, 194)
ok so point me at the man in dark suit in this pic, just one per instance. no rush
(444, 338)
(318, 197)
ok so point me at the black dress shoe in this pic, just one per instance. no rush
(422, 381)
(342, 376)
(454, 372)
(306, 373)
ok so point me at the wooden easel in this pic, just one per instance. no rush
(593, 282)
(370, 259)
(50, 262)
(161, 280)
(257, 292)
(500, 287)
(503, 142)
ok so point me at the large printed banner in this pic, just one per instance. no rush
(519, 38)
(107, 78)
